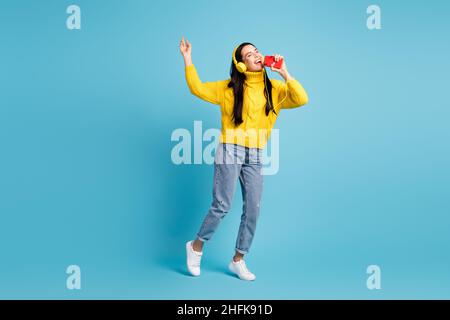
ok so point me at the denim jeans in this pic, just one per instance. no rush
(231, 162)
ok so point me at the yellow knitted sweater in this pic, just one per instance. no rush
(255, 130)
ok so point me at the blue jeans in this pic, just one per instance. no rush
(231, 162)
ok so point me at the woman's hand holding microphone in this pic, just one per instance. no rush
(283, 70)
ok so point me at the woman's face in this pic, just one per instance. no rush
(252, 58)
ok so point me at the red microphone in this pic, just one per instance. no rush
(268, 60)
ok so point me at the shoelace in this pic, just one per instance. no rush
(244, 267)
(196, 261)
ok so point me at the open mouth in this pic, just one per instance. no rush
(258, 61)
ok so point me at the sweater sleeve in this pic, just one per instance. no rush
(209, 91)
(292, 94)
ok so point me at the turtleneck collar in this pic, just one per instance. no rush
(254, 77)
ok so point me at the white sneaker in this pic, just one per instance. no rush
(241, 270)
(193, 259)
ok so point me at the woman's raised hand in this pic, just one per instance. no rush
(186, 49)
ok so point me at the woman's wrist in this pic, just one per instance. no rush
(287, 76)
(187, 61)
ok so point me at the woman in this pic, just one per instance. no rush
(250, 103)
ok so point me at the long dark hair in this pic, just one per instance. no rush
(237, 83)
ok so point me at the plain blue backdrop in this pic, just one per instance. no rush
(86, 176)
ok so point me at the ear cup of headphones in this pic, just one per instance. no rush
(241, 67)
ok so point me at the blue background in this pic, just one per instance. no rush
(86, 176)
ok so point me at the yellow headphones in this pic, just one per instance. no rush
(240, 66)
